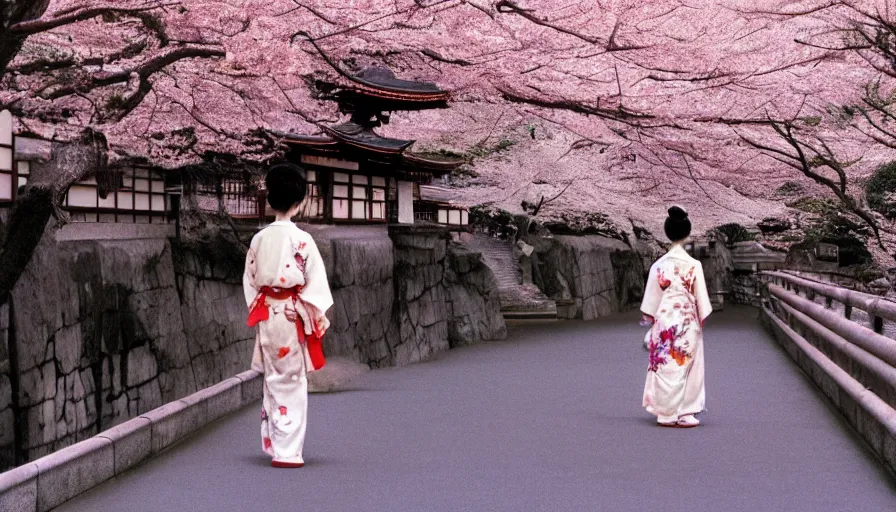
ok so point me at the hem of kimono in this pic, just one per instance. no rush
(289, 460)
(652, 410)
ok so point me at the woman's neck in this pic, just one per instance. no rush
(282, 217)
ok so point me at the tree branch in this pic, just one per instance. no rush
(26, 28)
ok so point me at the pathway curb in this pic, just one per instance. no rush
(47, 482)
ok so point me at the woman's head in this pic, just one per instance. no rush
(677, 226)
(286, 187)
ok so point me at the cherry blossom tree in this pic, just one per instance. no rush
(36, 76)
(624, 106)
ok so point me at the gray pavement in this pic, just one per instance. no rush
(549, 420)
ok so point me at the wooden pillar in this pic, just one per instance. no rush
(405, 202)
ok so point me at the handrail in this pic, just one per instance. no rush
(881, 346)
(876, 307)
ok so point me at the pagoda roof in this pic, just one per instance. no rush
(350, 134)
(357, 136)
(382, 83)
(379, 151)
(436, 162)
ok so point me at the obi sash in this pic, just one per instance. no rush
(259, 311)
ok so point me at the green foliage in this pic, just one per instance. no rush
(790, 188)
(815, 205)
(881, 190)
(485, 151)
(734, 233)
(812, 120)
(491, 220)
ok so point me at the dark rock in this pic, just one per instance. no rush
(774, 225)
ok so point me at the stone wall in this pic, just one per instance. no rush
(110, 329)
(99, 331)
(402, 295)
(588, 276)
(474, 305)
(360, 268)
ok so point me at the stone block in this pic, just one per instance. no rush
(69, 348)
(5, 391)
(177, 383)
(18, 489)
(6, 427)
(146, 398)
(64, 474)
(251, 384)
(132, 442)
(47, 431)
(221, 399)
(173, 421)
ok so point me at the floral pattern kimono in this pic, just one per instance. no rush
(677, 300)
(287, 293)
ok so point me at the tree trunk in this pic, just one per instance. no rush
(24, 230)
(12, 12)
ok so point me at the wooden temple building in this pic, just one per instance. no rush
(354, 175)
(357, 176)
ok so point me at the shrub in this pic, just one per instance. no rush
(881, 190)
(814, 205)
(734, 233)
(790, 188)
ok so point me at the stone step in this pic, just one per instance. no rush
(517, 299)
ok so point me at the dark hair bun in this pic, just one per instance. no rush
(677, 225)
(678, 213)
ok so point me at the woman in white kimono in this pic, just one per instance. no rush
(676, 302)
(288, 295)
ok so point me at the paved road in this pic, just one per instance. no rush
(548, 421)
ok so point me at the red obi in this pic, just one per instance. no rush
(259, 311)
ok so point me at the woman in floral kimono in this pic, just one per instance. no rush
(676, 303)
(288, 295)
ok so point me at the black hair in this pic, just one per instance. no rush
(678, 225)
(286, 186)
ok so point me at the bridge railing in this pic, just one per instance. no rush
(878, 310)
(852, 362)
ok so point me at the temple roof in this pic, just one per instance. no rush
(356, 135)
(436, 162)
(382, 83)
(380, 151)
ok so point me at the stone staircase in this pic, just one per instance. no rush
(518, 300)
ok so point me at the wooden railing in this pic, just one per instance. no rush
(878, 309)
(852, 362)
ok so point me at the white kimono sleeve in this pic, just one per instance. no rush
(653, 294)
(316, 293)
(701, 294)
(250, 290)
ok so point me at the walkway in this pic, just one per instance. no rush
(549, 421)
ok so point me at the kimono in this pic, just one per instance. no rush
(677, 300)
(287, 293)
